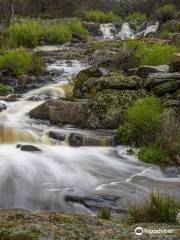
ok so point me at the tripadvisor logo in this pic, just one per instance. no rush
(139, 231)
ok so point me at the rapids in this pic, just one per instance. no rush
(41, 180)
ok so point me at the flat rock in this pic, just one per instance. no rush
(144, 70)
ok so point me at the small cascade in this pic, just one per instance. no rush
(147, 28)
(108, 30)
(126, 32)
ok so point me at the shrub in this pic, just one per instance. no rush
(153, 154)
(158, 208)
(126, 134)
(167, 12)
(26, 34)
(5, 90)
(145, 117)
(75, 25)
(100, 17)
(136, 16)
(20, 62)
(57, 34)
(165, 33)
(105, 213)
(156, 54)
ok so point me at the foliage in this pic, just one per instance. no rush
(165, 33)
(105, 213)
(154, 155)
(126, 134)
(26, 34)
(100, 17)
(74, 25)
(155, 54)
(57, 34)
(158, 208)
(136, 16)
(4, 90)
(20, 62)
(167, 12)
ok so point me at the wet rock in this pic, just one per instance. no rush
(76, 38)
(13, 97)
(61, 111)
(3, 105)
(175, 63)
(108, 109)
(76, 140)
(112, 81)
(162, 83)
(93, 28)
(57, 135)
(144, 71)
(95, 203)
(85, 75)
(28, 148)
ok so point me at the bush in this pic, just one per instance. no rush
(75, 26)
(165, 33)
(26, 34)
(156, 54)
(5, 90)
(105, 213)
(154, 155)
(20, 62)
(158, 208)
(167, 12)
(136, 16)
(100, 17)
(127, 135)
(57, 34)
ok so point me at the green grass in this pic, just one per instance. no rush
(100, 17)
(27, 34)
(136, 16)
(5, 90)
(155, 54)
(31, 32)
(153, 154)
(157, 208)
(105, 214)
(20, 62)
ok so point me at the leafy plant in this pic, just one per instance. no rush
(5, 90)
(100, 17)
(153, 154)
(105, 213)
(136, 16)
(167, 12)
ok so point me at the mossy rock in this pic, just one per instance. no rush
(113, 81)
(83, 76)
(109, 108)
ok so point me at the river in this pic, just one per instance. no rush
(41, 180)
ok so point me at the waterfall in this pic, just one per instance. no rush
(126, 32)
(108, 30)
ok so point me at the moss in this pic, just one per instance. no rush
(5, 90)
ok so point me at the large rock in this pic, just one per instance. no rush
(144, 70)
(93, 28)
(114, 81)
(109, 108)
(84, 75)
(3, 105)
(162, 83)
(175, 63)
(61, 111)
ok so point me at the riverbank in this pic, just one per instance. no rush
(50, 225)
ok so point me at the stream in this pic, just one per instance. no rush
(41, 180)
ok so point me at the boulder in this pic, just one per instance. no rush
(112, 81)
(76, 38)
(13, 97)
(3, 105)
(57, 135)
(162, 83)
(61, 111)
(28, 148)
(93, 28)
(76, 140)
(84, 75)
(175, 63)
(144, 70)
(108, 110)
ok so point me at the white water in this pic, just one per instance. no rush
(110, 32)
(39, 180)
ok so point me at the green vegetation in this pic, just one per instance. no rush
(100, 17)
(136, 16)
(165, 33)
(143, 123)
(167, 12)
(155, 54)
(30, 32)
(20, 62)
(158, 208)
(5, 90)
(105, 214)
(154, 155)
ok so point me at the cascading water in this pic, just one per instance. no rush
(40, 180)
(108, 30)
